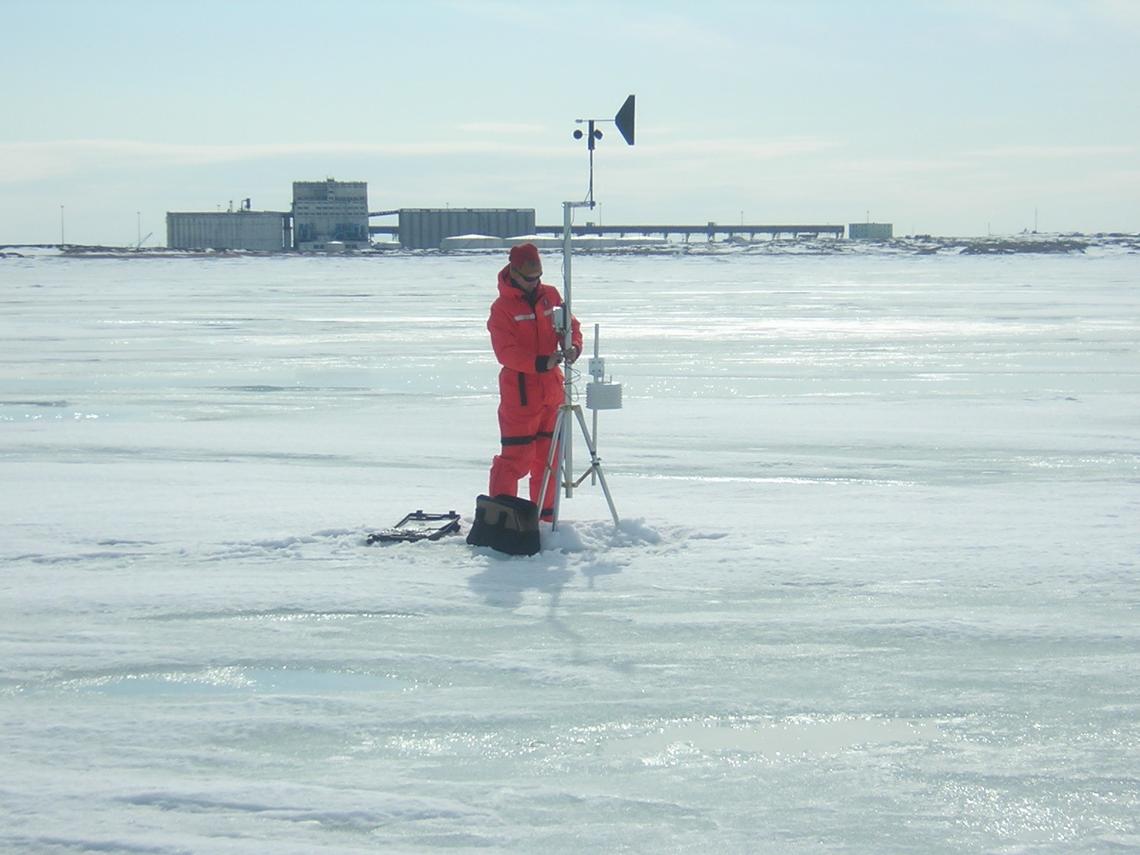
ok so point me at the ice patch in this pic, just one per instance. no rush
(51, 843)
(565, 538)
(636, 532)
(225, 680)
(810, 737)
(882, 598)
(599, 535)
(346, 809)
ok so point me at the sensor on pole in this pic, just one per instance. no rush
(600, 395)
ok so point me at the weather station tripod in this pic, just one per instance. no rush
(600, 395)
(561, 465)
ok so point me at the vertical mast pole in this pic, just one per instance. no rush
(567, 343)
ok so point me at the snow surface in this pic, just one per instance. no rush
(875, 588)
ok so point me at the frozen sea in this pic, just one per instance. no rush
(874, 591)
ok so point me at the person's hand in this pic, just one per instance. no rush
(572, 355)
(553, 360)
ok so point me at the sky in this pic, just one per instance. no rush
(948, 117)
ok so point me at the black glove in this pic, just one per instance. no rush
(545, 363)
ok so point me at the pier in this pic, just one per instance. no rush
(710, 230)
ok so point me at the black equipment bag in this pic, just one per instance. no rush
(506, 523)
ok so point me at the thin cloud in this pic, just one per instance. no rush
(505, 128)
(896, 166)
(1058, 20)
(752, 149)
(1045, 152)
(1119, 13)
(510, 15)
(28, 161)
(679, 32)
(646, 24)
(32, 161)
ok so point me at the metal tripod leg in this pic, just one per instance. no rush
(553, 468)
(555, 462)
(596, 464)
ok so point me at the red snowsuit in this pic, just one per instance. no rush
(523, 336)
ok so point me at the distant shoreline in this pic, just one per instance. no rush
(1028, 243)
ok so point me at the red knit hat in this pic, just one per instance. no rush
(523, 254)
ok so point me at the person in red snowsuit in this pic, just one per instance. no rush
(530, 381)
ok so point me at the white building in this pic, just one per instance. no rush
(330, 211)
(244, 229)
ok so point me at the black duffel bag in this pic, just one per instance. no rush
(506, 523)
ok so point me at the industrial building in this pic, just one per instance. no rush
(326, 215)
(244, 229)
(330, 211)
(426, 228)
(333, 216)
(870, 231)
